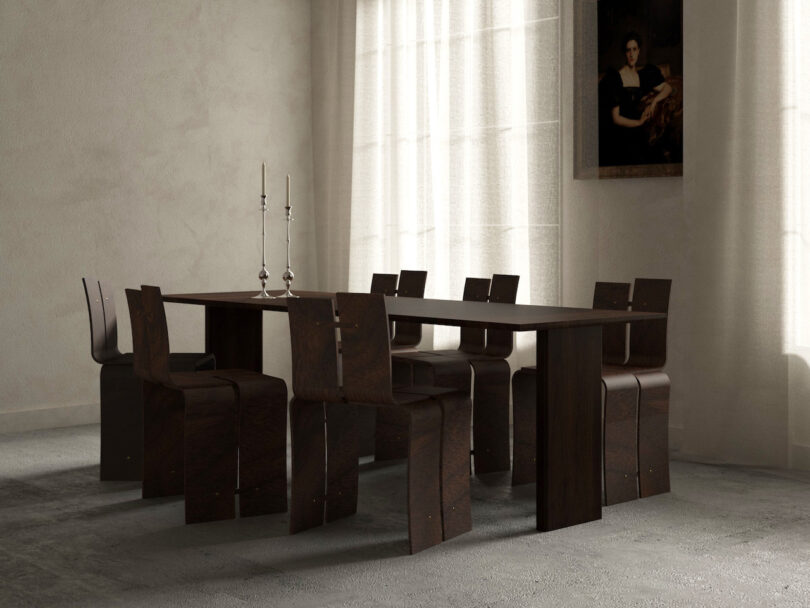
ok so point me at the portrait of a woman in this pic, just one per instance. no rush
(629, 98)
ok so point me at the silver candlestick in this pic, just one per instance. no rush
(288, 275)
(263, 274)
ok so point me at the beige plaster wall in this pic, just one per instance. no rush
(131, 139)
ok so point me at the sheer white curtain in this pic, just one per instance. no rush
(456, 144)
(745, 394)
(796, 131)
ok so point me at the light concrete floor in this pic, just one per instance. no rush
(724, 536)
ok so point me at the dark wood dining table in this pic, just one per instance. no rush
(569, 365)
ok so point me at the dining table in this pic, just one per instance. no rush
(569, 366)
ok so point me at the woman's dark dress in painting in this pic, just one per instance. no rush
(628, 145)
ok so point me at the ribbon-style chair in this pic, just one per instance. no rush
(452, 368)
(120, 395)
(647, 357)
(330, 385)
(390, 434)
(636, 398)
(207, 435)
(385, 284)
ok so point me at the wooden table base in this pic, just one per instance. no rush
(568, 426)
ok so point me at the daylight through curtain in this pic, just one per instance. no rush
(456, 144)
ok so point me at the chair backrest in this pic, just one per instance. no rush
(98, 337)
(473, 339)
(648, 339)
(411, 285)
(366, 348)
(612, 296)
(157, 334)
(140, 339)
(315, 373)
(103, 325)
(500, 342)
(110, 321)
(385, 284)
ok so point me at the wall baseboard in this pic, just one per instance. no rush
(48, 418)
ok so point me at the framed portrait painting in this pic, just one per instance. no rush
(628, 88)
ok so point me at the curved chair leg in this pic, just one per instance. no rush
(424, 476)
(308, 442)
(391, 425)
(210, 449)
(621, 443)
(262, 444)
(163, 433)
(391, 435)
(524, 425)
(653, 433)
(491, 415)
(341, 460)
(455, 466)
(366, 425)
(121, 400)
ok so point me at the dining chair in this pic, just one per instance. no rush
(331, 385)
(648, 355)
(391, 427)
(446, 367)
(120, 394)
(209, 434)
(411, 285)
(487, 358)
(620, 397)
(636, 398)
(385, 284)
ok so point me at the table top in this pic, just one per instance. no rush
(515, 317)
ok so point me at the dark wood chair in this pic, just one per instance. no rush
(648, 355)
(621, 393)
(411, 285)
(452, 368)
(491, 388)
(390, 434)
(328, 384)
(385, 284)
(121, 395)
(211, 434)
(446, 367)
(636, 398)
(636, 405)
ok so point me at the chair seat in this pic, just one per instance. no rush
(436, 355)
(614, 370)
(430, 391)
(404, 399)
(610, 370)
(455, 353)
(403, 348)
(206, 379)
(179, 362)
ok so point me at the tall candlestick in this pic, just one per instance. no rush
(264, 177)
(288, 275)
(263, 274)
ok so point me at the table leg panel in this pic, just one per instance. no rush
(569, 441)
(234, 335)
